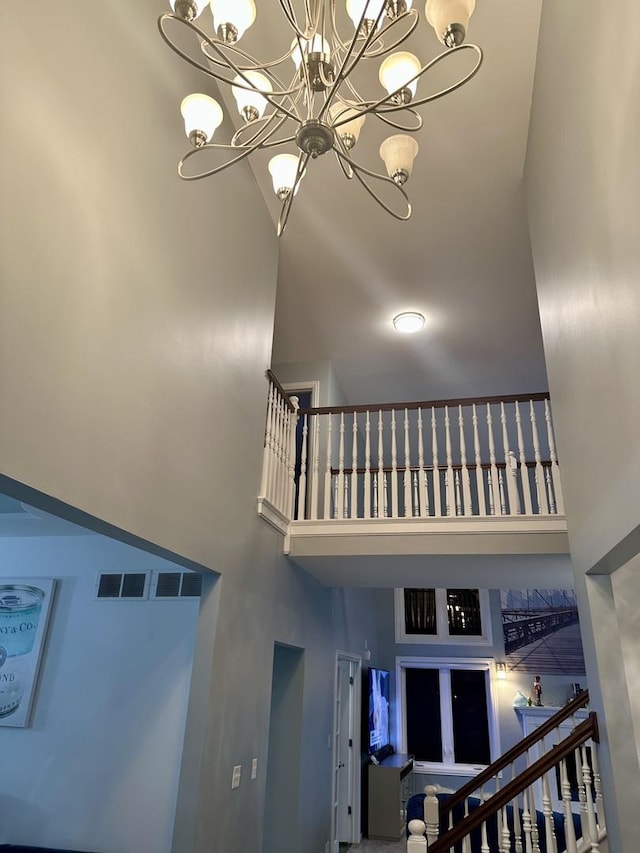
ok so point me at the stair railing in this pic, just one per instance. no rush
(463, 457)
(518, 827)
(275, 500)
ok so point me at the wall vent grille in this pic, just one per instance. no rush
(173, 585)
(129, 585)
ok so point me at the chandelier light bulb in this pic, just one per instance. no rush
(317, 45)
(399, 152)
(283, 169)
(202, 115)
(450, 19)
(231, 18)
(188, 10)
(395, 75)
(397, 7)
(251, 104)
(350, 130)
(355, 9)
(408, 322)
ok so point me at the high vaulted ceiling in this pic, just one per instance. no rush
(464, 259)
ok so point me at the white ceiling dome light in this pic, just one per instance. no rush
(408, 322)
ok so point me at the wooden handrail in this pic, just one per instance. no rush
(431, 404)
(581, 734)
(272, 378)
(515, 752)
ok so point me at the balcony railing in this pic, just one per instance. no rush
(486, 457)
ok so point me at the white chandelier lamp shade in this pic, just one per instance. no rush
(232, 18)
(372, 10)
(251, 103)
(316, 45)
(283, 169)
(189, 10)
(202, 115)
(396, 73)
(399, 152)
(450, 19)
(329, 103)
(408, 322)
(351, 123)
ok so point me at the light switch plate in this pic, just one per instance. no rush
(235, 779)
(254, 768)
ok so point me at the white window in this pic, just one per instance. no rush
(451, 616)
(447, 714)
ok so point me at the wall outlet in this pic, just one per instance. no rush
(235, 778)
(254, 768)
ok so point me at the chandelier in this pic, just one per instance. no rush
(319, 109)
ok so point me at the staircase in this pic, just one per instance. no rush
(516, 816)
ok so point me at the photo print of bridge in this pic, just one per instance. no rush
(541, 631)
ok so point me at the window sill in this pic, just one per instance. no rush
(430, 767)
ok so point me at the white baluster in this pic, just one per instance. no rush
(464, 471)
(431, 814)
(327, 469)
(394, 468)
(484, 841)
(437, 500)
(375, 497)
(482, 504)
(492, 508)
(449, 481)
(302, 482)
(385, 493)
(555, 470)
(526, 824)
(524, 471)
(597, 784)
(380, 474)
(340, 504)
(415, 496)
(549, 491)
(582, 798)
(367, 468)
(353, 509)
(345, 508)
(335, 480)
(494, 497)
(510, 467)
(422, 474)
(458, 493)
(503, 502)
(517, 830)
(569, 829)
(408, 500)
(279, 444)
(539, 478)
(591, 815)
(315, 468)
(416, 843)
(547, 811)
(504, 832)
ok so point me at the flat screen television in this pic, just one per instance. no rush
(379, 716)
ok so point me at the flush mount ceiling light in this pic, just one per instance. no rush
(319, 108)
(408, 322)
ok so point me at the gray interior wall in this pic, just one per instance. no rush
(583, 196)
(135, 328)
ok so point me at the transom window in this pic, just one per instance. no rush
(431, 615)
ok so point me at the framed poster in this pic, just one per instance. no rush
(542, 631)
(25, 604)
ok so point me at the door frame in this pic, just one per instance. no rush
(355, 705)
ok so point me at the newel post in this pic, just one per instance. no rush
(416, 843)
(431, 814)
